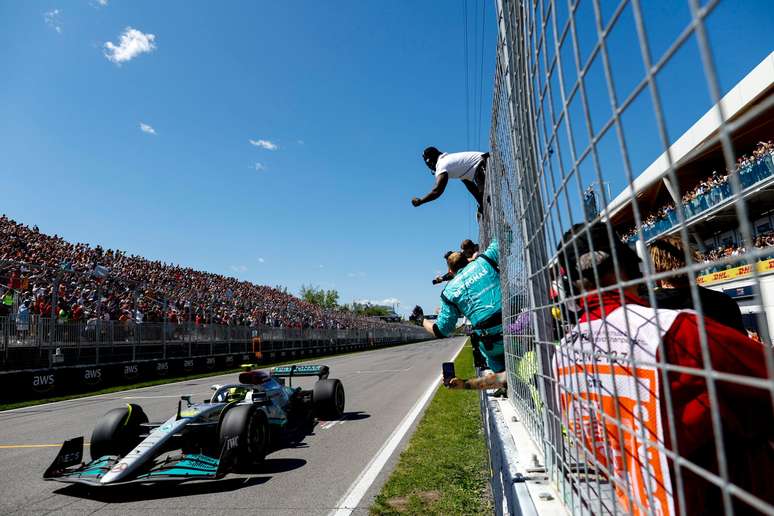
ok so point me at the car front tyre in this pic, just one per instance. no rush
(244, 435)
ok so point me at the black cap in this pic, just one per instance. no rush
(578, 242)
(431, 153)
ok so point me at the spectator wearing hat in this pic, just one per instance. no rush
(469, 167)
(616, 348)
(469, 249)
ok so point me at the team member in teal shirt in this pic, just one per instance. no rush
(474, 292)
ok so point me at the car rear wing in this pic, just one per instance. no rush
(320, 371)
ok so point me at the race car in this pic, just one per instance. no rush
(231, 431)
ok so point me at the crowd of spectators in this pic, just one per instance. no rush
(708, 192)
(761, 241)
(86, 283)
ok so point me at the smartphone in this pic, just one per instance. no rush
(448, 372)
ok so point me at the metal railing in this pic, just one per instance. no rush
(29, 342)
(636, 406)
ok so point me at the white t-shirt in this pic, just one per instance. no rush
(459, 165)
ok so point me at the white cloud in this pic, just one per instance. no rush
(260, 259)
(239, 268)
(146, 128)
(300, 142)
(259, 166)
(53, 19)
(356, 274)
(103, 3)
(264, 144)
(132, 43)
(320, 266)
(381, 302)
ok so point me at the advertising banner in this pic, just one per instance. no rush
(744, 271)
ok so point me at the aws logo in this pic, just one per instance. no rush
(92, 376)
(188, 364)
(210, 362)
(131, 370)
(229, 360)
(43, 382)
(162, 368)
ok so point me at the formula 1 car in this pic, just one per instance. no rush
(231, 431)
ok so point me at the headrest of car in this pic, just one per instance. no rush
(254, 377)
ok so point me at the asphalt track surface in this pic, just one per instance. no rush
(382, 386)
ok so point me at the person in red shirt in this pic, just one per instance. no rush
(618, 348)
(14, 282)
(77, 311)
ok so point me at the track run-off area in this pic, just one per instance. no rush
(338, 469)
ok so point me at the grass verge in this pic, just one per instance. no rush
(444, 470)
(160, 381)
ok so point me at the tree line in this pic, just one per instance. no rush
(329, 299)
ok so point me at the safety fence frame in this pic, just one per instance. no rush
(534, 188)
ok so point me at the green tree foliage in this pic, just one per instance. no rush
(320, 297)
(368, 309)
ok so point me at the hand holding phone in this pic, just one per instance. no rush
(448, 372)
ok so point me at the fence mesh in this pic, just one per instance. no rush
(636, 326)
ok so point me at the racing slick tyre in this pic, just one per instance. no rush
(244, 433)
(300, 417)
(117, 432)
(328, 399)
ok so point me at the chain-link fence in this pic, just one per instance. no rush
(636, 326)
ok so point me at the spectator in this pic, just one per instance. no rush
(617, 332)
(469, 249)
(469, 167)
(709, 191)
(675, 292)
(474, 293)
(23, 319)
(6, 302)
(109, 281)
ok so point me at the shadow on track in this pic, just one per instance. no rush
(136, 492)
(355, 416)
(269, 466)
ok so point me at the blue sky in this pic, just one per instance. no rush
(348, 92)
(349, 95)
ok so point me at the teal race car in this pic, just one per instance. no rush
(231, 431)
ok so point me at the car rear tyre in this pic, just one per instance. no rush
(328, 399)
(244, 432)
(117, 432)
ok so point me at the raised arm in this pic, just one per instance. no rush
(441, 180)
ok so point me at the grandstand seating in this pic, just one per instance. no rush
(711, 191)
(86, 282)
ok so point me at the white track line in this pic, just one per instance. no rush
(349, 502)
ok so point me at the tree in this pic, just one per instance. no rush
(331, 299)
(368, 309)
(323, 298)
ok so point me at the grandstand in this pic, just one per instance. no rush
(75, 282)
(705, 200)
(73, 316)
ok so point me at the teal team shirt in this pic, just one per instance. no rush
(474, 292)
